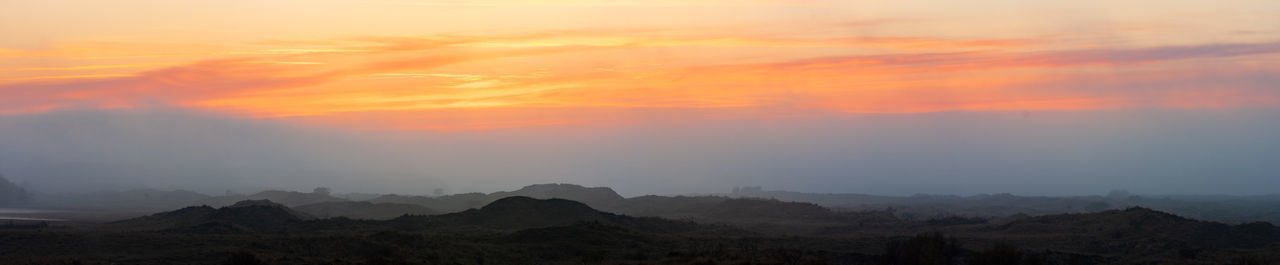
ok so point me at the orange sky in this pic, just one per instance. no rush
(466, 65)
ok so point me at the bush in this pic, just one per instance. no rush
(923, 249)
(242, 258)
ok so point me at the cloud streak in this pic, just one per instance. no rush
(593, 70)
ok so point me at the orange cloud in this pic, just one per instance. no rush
(573, 77)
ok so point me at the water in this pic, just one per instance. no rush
(17, 214)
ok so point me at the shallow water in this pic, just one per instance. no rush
(26, 214)
(27, 219)
(24, 211)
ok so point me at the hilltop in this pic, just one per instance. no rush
(243, 216)
(520, 213)
(11, 194)
(363, 210)
(286, 198)
(1142, 224)
(692, 230)
(597, 197)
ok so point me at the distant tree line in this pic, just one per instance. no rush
(11, 194)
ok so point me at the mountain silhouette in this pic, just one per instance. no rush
(1142, 224)
(244, 216)
(519, 212)
(363, 210)
(286, 198)
(596, 197)
(11, 194)
(522, 213)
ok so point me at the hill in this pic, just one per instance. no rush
(245, 216)
(519, 230)
(1139, 223)
(521, 213)
(448, 204)
(286, 198)
(516, 213)
(363, 210)
(11, 194)
(1221, 208)
(722, 209)
(1137, 236)
(596, 197)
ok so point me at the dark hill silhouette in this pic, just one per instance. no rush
(678, 207)
(710, 230)
(516, 213)
(11, 194)
(767, 209)
(723, 209)
(521, 213)
(245, 216)
(596, 197)
(584, 235)
(363, 210)
(448, 204)
(286, 198)
(1221, 208)
(1142, 224)
(705, 209)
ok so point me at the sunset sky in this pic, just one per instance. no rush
(519, 71)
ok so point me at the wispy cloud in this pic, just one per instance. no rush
(613, 3)
(593, 70)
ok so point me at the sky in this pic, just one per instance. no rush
(648, 97)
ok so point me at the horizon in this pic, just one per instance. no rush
(893, 98)
(731, 191)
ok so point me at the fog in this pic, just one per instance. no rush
(1224, 151)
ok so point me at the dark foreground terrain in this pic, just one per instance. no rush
(513, 228)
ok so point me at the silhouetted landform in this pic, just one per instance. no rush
(570, 224)
(157, 200)
(261, 216)
(363, 210)
(598, 197)
(286, 198)
(1230, 209)
(1115, 227)
(996, 208)
(516, 213)
(519, 213)
(11, 194)
(710, 230)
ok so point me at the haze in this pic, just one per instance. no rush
(647, 97)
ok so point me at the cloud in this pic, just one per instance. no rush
(600, 69)
(615, 3)
(988, 59)
(174, 85)
(216, 79)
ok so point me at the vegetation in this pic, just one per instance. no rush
(692, 230)
(11, 194)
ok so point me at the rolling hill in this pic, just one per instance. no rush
(260, 216)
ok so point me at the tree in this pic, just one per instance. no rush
(923, 249)
(242, 258)
(1000, 254)
(11, 194)
(321, 191)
